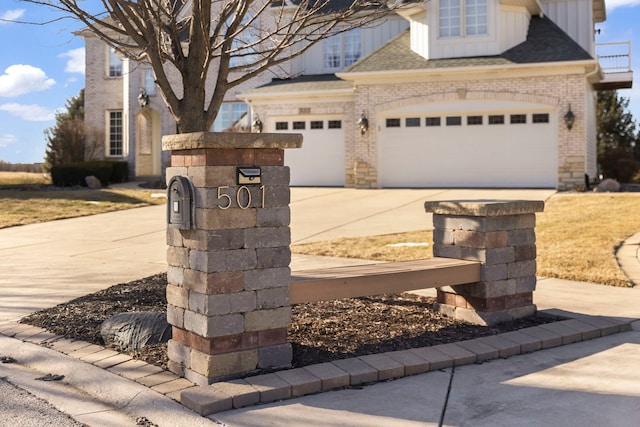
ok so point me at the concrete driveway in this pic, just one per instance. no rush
(319, 214)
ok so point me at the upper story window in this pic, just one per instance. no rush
(149, 82)
(243, 52)
(459, 18)
(115, 63)
(343, 49)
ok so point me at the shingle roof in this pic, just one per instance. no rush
(303, 84)
(545, 42)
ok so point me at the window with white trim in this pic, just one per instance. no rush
(233, 116)
(116, 140)
(342, 49)
(114, 63)
(459, 18)
(149, 82)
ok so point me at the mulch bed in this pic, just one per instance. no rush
(320, 332)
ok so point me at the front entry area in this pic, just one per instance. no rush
(148, 143)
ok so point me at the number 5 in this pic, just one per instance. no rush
(222, 195)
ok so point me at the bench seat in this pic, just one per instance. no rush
(382, 278)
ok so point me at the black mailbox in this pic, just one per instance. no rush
(180, 203)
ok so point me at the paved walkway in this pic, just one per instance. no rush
(594, 382)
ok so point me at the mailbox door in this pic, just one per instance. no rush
(180, 203)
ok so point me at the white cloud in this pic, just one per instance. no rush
(20, 79)
(7, 139)
(75, 63)
(11, 15)
(30, 113)
(613, 4)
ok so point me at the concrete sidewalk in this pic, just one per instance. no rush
(594, 382)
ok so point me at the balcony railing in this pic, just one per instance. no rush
(615, 62)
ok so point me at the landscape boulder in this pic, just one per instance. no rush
(133, 330)
(93, 182)
(607, 186)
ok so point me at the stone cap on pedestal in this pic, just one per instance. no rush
(484, 207)
(230, 140)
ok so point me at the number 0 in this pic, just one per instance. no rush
(246, 190)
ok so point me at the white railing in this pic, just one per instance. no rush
(614, 57)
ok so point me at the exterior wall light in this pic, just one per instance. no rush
(363, 124)
(256, 126)
(569, 118)
(143, 98)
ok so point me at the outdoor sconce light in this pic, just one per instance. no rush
(143, 98)
(363, 123)
(256, 126)
(569, 118)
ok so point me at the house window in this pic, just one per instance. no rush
(335, 124)
(149, 82)
(233, 116)
(116, 146)
(432, 121)
(475, 15)
(454, 121)
(316, 124)
(474, 120)
(115, 63)
(393, 123)
(282, 125)
(496, 120)
(517, 119)
(243, 52)
(412, 122)
(342, 50)
(463, 18)
(540, 118)
(450, 18)
(299, 125)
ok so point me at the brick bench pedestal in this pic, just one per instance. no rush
(499, 234)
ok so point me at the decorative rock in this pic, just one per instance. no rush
(131, 331)
(93, 182)
(607, 186)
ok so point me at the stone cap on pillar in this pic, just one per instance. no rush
(230, 140)
(484, 207)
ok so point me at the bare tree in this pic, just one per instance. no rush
(215, 44)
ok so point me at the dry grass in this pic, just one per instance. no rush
(26, 201)
(577, 237)
(23, 178)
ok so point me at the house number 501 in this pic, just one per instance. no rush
(242, 196)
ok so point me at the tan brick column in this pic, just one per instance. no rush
(228, 276)
(499, 234)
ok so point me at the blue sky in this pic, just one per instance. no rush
(43, 65)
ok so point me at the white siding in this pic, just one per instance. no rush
(575, 17)
(512, 27)
(420, 36)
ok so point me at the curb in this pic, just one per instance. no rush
(339, 374)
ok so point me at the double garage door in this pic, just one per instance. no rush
(501, 149)
(320, 161)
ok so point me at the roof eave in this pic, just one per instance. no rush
(424, 72)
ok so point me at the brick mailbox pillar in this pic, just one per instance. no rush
(228, 270)
(499, 234)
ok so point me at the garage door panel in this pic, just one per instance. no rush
(507, 155)
(320, 161)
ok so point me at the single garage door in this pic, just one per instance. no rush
(499, 149)
(320, 161)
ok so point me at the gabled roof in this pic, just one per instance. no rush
(322, 82)
(545, 42)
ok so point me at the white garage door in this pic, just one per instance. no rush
(500, 149)
(320, 161)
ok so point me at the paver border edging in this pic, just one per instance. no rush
(339, 374)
